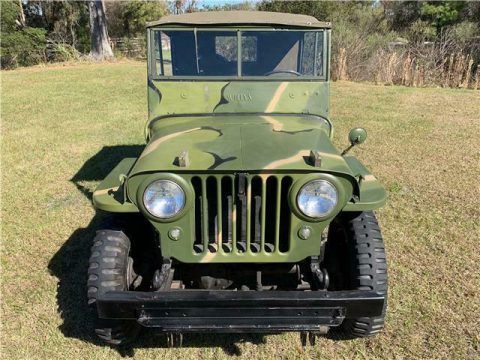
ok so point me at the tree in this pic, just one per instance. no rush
(128, 19)
(401, 14)
(66, 22)
(442, 13)
(322, 10)
(100, 45)
(137, 13)
(21, 17)
(184, 6)
(20, 44)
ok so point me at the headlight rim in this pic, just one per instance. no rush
(169, 181)
(316, 181)
(299, 184)
(180, 181)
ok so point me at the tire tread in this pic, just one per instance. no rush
(107, 272)
(368, 268)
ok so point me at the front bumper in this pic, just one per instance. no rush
(239, 311)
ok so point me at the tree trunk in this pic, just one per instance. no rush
(21, 22)
(100, 45)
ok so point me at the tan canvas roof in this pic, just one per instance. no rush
(240, 18)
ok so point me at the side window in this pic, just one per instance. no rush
(157, 55)
(161, 56)
(166, 54)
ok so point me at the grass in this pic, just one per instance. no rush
(64, 127)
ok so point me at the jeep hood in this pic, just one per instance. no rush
(230, 143)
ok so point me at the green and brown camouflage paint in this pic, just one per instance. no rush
(262, 128)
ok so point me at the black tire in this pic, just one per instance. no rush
(355, 258)
(109, 268)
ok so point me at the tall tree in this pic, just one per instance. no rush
(184, 6)
(137, 13)
(21, 17)
(100, 45)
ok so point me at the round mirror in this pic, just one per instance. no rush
(357, 136)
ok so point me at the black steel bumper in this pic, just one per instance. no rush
(239, 311)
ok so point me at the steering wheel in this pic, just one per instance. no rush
(293, 72)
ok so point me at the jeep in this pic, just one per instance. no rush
(240, 215)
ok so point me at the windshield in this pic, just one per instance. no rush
(190, 53)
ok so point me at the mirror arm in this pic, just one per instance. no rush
(352, 144)
(344, 152)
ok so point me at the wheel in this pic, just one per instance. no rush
(355, 260)
(110, 269)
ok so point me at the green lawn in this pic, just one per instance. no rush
(63, 128)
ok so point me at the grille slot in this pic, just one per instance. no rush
(241, 213)
(226, 205)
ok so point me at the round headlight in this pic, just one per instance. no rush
(164, 199)
(317, 198)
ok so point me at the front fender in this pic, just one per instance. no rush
(372, 194)
(110, 194)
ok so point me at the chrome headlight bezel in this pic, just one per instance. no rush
(340, 185)
(173, 178)
(174, 187)
(319, 183)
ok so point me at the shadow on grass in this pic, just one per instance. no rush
(70, 265)
(99, 165)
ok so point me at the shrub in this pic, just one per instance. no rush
(60, 51)
(23, 47)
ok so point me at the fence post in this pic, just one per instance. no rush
(477, 81)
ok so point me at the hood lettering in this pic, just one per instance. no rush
(239, 97)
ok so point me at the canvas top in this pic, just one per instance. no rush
(229, 18)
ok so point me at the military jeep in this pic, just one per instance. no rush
(240, 215)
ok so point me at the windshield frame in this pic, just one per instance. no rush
(152, 56)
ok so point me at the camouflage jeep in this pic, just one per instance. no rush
(239, 215)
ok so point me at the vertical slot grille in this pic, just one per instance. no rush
(255, 214)
(271, 213)
(212, 211)
(242, 213)
(197, 188)
(227, 213)
(284, 219)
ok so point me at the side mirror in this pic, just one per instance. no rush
(356, 136)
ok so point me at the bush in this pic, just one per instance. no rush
(60, 51)
(19, 46)
(23, 47)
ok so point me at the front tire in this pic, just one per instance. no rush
(355, 258)
(110, 269)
